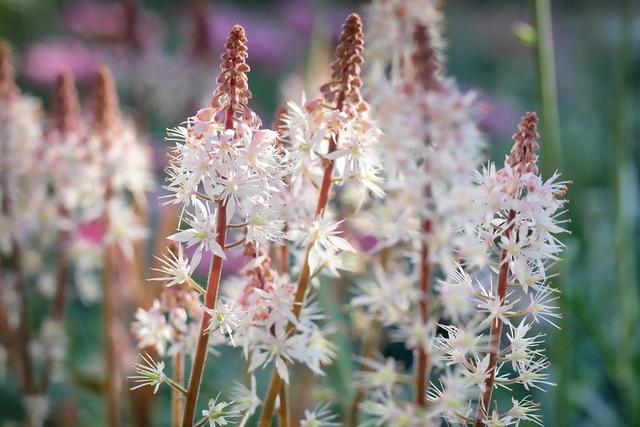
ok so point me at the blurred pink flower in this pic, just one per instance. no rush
(270, 43)
(92, 231)
(44, 61)
(109, 21)
(94, 19)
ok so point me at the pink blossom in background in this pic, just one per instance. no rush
(106, 20)
(272, 43)
(94, 19)
(92, 231)
(44, 61)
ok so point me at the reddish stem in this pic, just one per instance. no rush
(496, 331)
(24, 329)
(57, 307)
(423, 359)
(176, 397)
(210, 302)
(305, 276)
(111, 398)
(283, 412)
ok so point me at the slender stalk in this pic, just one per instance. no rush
(303, 285)
(283, 411)
(24, 327)
(370, 347)
(110, 391)
(203, 340)
(305, 276)
(623, 182)
(551, 157)
(57, 307)
(423, 359)
(176, 397)
(496, 332)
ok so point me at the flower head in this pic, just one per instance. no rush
(149, 373)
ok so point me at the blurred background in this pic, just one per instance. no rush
(164, 56)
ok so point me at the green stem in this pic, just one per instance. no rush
(623, 181)
(551, 157)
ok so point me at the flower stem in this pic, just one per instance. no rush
(110, 392)
(551, 151)
(423, 359)
(24, 328)
(283, 412)
(57, 307)
(210, 302)
(496, 332)
(624, 182)
(270, 401)
(176, 397)
(303, 283)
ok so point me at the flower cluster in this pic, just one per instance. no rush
(221, 157)
(265, 334)
(518, 223)
(484, 239)
(171, 324)
(60, 181)
(24, 183)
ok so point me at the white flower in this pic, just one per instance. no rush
(152, 329)
(149, 374)
(532, 374)
(376, 374)
(245, 400)
(217, 413)
(276, 346)
(320, 416)
(225, 317)
(37, 407)
(323, 232)
(315, 349)
(202, 233)
(175, 267)
(525, 410)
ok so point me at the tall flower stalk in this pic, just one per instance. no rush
(122, 174)
(224, 170)
(337, 124)
(432, 147)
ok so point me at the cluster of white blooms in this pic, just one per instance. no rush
(431, 147)
(234, 178)
(222, 158)
(517, 225)
(270, 331)
(59, 178)
(171, 324)
(23, 182)
(228, 174)
(454, 224)
(123, 168)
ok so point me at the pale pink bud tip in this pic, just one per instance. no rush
(425, 60)
(106, 112)
(66, 108)
(8, 88)
(524, 154)
(345, 84)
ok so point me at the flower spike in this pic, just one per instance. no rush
(425, 60)
(345, 84)
(524, 154)
(66, 108)
(232, 93)
(105, 110)
(8, 88)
